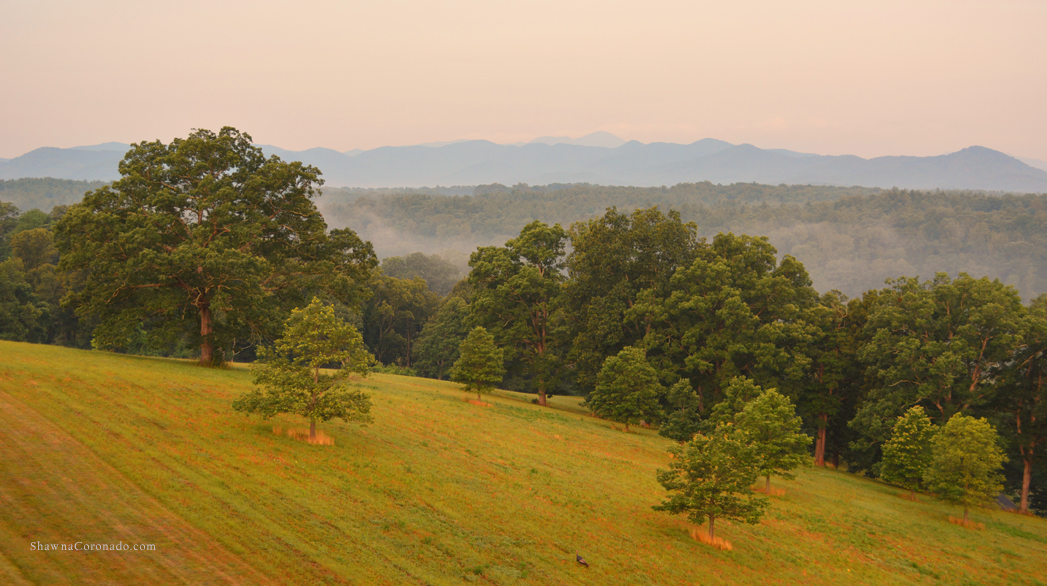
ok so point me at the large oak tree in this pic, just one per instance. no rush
(206, 231)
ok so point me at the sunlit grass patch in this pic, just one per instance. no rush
(322, 439)
(968, 524)
(773, 491)
(702, 535)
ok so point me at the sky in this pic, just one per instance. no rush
(884, 77)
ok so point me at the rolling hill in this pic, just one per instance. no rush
(101, 448)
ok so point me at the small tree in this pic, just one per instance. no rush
(711, 477)
(627, 388)
(480, 363)
(771, 424)
(907, 455)
(290, 377)
(966, 463)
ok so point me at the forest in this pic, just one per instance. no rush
(948, 332)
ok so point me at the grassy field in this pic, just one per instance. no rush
(97, 447)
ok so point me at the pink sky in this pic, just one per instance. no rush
(867, 78)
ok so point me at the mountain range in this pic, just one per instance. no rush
(599, 158)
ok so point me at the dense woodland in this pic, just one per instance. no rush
(561, 299)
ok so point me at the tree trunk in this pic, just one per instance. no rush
(206, 327)
(912, 495)
(768, 484)
(626, 427)
(819, 446)
(712, 527)
(541, 397)
(312, 407)
(1026, 480)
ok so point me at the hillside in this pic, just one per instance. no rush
(98, 447)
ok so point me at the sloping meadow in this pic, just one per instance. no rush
(96, 447)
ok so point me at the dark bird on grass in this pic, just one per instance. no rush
(581, 560)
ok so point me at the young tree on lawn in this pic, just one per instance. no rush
(966, 466)
(771, 424)
(480, 363)
(627, 388)
(290, 377)
(205, 236)
(711, 477)
(907, 455)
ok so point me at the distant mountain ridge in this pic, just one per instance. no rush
(599, 158)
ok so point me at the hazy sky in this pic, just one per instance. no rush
(871, 78)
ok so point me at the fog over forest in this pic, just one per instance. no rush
(850, 239)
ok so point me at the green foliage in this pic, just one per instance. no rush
(835, 381)
(627, 389)
(1022, 401)
(393, 369)
(683, 416)
(614, 258)
(205, 230)
(908, 454)
(23, 317)
(290, 376)
(738, 393)
(437, 346)
(966, 463)
(935, 344)
(480, 363)
(710, 477)
(771, 424)
(438, 274)
(734, 311)
(34, 248)
(394, 316)
(514, 294)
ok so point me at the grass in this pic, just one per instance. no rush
(96, 447)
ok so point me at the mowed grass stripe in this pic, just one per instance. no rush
(439, 490)
(57, 491)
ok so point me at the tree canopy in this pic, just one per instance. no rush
(205, 231)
